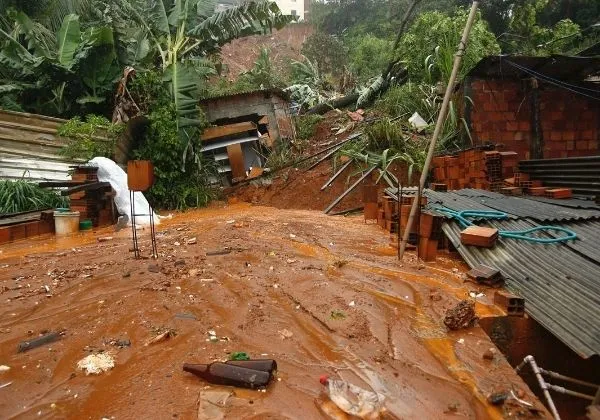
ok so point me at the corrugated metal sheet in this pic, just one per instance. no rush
(522, 207)
(457, 202)
(556, 66)
(589, 244)
(560, 286)
(29, 147)
(567, 202)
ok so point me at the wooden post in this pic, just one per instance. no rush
(440, 121)
(536, 149)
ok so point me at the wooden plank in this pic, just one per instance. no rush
(236, 161)
(263, 120)
(211, 133)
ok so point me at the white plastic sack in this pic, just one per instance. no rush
(109, 171)
(417, 121)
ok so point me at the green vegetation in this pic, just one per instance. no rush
(96, 136)
(19, 196)
(306, 126)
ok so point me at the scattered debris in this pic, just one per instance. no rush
(352, 304)
(337, 315)
(5, 385)
(162, 335)
(4, 368)
(476, 295)
(154, 268)
(229, 374)
(212, 404)
(218, 252)
(489, 354)
(417, 121)
(498, 398)
(184, 315)
(239, 355)
(352, 399)
(191, 241)
(461, 316)
(95, 364)
(285, 334)
(105, 239)
(486, 275)
(40, 341)
(212, 336)
(291, 261)
(230, 222)
(119, 342)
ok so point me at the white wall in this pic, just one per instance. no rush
(287, 6)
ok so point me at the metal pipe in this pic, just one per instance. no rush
(349, 190)
(563, 390)
(536, 370)
(338, 173)
(568, 378)
(440, 121)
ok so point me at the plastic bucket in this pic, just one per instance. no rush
(66, 222)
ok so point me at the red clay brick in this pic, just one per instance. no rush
(568, 135)
(4, 235)
(555, 135)
(570, 145)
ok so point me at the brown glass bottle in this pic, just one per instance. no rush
(227, 374)
(266, 365)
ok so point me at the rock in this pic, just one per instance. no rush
(179, 263)
(191, 241)
(489, 354)
(497, 398)
(285, 334)
(154, 268)
(95, 364)
(461, 316)
(126, 274)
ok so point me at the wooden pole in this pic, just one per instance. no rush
(440, 122)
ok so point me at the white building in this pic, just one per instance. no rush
(292, 7)
(288, 7)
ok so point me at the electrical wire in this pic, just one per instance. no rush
(541, 75)
(552, 81)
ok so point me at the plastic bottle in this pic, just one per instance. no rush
(228, 374)
(266, 365)
(354, 400)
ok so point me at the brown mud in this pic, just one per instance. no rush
(353, 312)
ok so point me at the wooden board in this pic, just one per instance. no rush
(212, 133)
(236, 161)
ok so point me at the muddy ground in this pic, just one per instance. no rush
(319, 294)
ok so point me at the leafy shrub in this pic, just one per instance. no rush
(327, 51)
(369, 55)
(428, 47)
(306, 126)
(179, 184)
(96, 136)
(19, 196)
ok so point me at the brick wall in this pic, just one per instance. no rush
(501, 112)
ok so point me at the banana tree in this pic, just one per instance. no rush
(60, 72)
(182, 33)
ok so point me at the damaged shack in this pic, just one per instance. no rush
(245, 127)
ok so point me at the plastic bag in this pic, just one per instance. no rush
(109, 171)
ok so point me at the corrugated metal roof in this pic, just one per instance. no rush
(560, 285)
(523, 207)
(556, 66)
(457, 202)
(575, 203)
(589, 244)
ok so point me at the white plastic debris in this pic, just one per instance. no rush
(109, 171)
(417, 121)
(461, 341)
(351, 303)
(95, 364)
(4, 368)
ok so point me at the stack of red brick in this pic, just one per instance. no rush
(93, 204)
(28, 228)
(521, 184)
(425, 233)
(474, 168)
